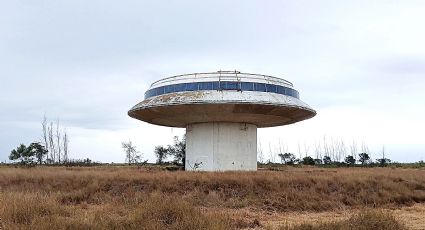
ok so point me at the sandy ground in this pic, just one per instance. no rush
(413, 217)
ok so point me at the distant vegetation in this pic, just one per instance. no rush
(53, 150)
(177, 152)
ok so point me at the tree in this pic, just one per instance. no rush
(45, 136)
(260, 153)
(65, 142)
(383, 161)
(364, 158)
(308, 160)
(318, 161)
(22, 153)
(161, 153)
(350, 160)
(327, 160)
(178, 150)
(287, 158)
(56, 140)
(38, 150)
(131, 153)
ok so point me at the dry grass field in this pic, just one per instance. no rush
(131, 198)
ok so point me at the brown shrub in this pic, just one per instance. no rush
(364, 220)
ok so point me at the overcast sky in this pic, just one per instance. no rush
(360, 64)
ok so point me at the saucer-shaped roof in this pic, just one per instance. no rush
(222, 96)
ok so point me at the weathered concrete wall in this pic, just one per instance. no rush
(220, 146)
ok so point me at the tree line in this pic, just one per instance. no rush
(51, 149)
(328, 151)
(363, 159)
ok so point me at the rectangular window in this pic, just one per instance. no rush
(205, 85)
(260, 87)
(168, 89)
(271, 88)
(216, 85)
(280, 89)
(179, 87)
(191, 86)
(231, 85)
(247, 86)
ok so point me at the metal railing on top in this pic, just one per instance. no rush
(222, 76)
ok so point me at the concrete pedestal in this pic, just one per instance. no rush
(220, 146)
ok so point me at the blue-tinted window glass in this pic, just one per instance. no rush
(225, 85)
(271, 88)
(191, 86)
(206, 86)
(231, 85)
(168, 89)
(179, 87)
(216, 85)
(202, 86)
(280, 89)
(247, 86)
(260, 87)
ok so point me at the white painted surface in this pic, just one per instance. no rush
(221, 147)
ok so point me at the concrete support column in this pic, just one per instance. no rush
(220, 146)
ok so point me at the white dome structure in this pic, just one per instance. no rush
(221, 112)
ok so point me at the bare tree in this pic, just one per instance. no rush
(131, 153)
(272, 155)
(281, 148)
(55, 140)
(340, 149)
(332, 149)
(365, 149)
(65, 142)
(58, 142)
(299, 150)
(353, 149)
(52, 147)
(318, 150)
(45, 136)
(260, 153)
(306, 149)
(326, 148)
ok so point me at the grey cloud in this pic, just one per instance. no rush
(89, 62)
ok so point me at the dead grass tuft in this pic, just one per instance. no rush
(364, 220)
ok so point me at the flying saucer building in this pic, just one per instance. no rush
(221, 112)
